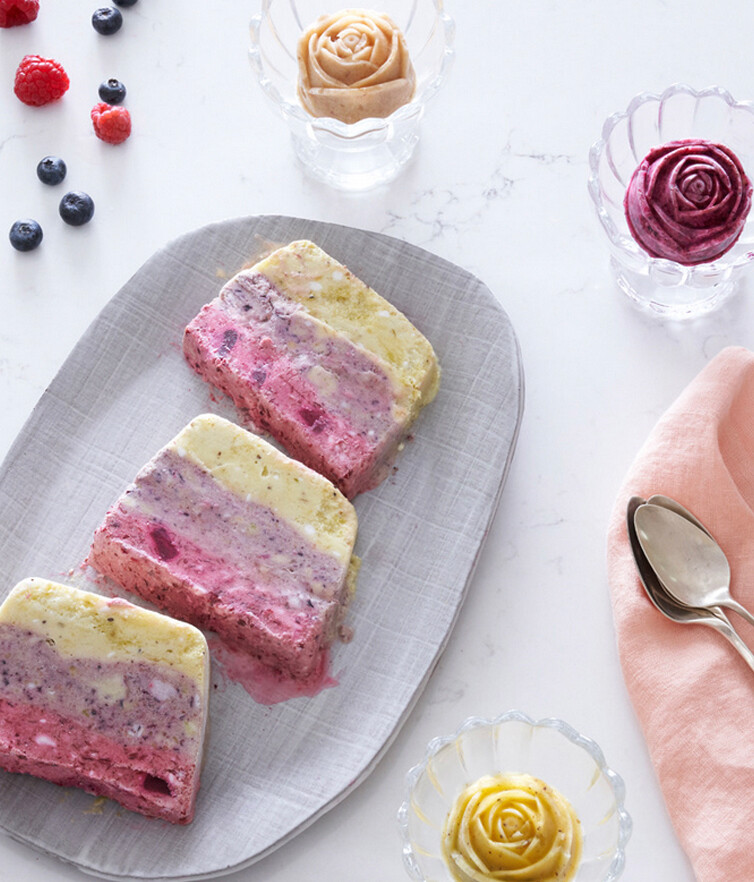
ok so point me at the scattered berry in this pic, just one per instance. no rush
(111, 124)
(25, 235)
(107, 20)
(17, 12)
(125, 2)
(51, 170)
(40, 80)
(76, 208)
(112, 91)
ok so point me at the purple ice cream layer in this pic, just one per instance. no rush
(229, 544)
(221, 562)
(321, 396)
(137, 704)
(363, 394)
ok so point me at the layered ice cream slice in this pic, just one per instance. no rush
(312, 355)
(223, 530)
(100, 694)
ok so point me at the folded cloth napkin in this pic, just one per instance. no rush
(692, 692)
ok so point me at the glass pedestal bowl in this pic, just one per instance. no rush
(513, 743)
(668, 288)
(372, 151)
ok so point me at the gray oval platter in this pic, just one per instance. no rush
(124, 391)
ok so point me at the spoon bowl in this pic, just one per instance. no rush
(689, 563)
(654, 590)
(667, 502)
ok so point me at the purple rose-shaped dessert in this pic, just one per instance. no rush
(688, 201)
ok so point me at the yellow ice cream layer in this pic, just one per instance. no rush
(333, 295)
(87, 625)
(250, 467)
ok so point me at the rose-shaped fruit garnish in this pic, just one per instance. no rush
(352, 65)
(688, 201)
(512, 828)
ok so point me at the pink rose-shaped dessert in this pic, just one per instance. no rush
(352, 65)
(688, 201)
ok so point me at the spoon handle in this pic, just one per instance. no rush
(723, 625)
(730, 603)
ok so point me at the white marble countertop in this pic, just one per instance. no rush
(498, 186)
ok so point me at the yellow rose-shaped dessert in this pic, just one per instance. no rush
(512, 828)
(352, 65)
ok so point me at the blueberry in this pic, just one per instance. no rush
(51, 170)
(25, 235)
(76, 208)
(107, 20)
(112, 91)
(125, 2)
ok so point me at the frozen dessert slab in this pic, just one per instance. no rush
(226, 532)
(319, 360)
(103, 695)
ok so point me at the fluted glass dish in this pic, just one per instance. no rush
(372, 151)
(513, 743)
(668, 288)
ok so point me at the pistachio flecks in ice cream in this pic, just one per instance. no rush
(512, 828)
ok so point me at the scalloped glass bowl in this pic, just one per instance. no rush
(664, 286)
(513, 743)
(369, 152)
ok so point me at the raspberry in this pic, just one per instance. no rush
(17, 12)
(111, 124)
(40, 80)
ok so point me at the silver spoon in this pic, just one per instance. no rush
(666, 605)
(674, 505)
(690, 565)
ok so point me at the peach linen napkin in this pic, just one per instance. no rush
(692, 692)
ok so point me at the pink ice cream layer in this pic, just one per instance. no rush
(134, 750)
(259, 347)
(223, 563)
